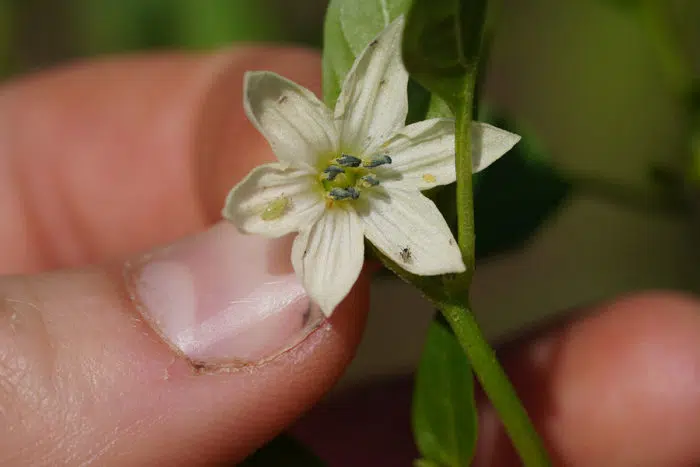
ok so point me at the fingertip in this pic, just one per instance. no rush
(618, 387)
(118, 155)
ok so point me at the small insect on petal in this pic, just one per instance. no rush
(376, 161)
(275, 209)
(346, 160)
(430, 178)
(406, 255)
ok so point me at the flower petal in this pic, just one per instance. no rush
(408, 228)
(489, 143)
(328, 257)
(298, 126)
(274, 200)
(423, 156)
(374, 101)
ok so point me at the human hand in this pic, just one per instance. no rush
(617, 387)
(98, 162)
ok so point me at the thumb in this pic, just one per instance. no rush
(193, 353)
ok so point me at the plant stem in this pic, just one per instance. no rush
(463, 163)
(497, 386)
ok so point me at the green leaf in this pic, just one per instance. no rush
(444, 410)
(441, 45)
(349, 26)
(515, 196)
(283, 450)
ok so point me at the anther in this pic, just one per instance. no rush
(346, 160)
(332, 171)
(376, 161)
(368, 181)
(340, 194)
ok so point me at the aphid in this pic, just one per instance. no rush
(430, 178)
(282, 99)
(275, 209)
(406, 255)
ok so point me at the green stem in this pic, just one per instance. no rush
(463, 162)
(497, 386)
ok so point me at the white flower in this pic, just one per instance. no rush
(353, 172)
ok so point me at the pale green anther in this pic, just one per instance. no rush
(346, 160)
(332, 171)
(369, 181)
(339, 194)
(275, 209)
(376, 161)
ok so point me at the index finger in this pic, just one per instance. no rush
(102, 159)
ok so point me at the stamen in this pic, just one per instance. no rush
(369, 181)
(346, 160)
(340, 194)
(376, 161)
(275, 209)
(332, 171)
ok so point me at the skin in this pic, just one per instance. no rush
(83, 379)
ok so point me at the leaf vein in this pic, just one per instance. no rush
(385, 12)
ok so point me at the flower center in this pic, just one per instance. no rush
(346, 176)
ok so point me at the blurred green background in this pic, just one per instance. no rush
(586, 77)
(37, 33)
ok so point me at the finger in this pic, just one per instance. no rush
(618, 388)
(85, 379)
(103, 159)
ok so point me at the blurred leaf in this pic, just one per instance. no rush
(108, 26)
(441, 46)
(349, 26)
(514, 196)
(283, 451)
(438, 108)
(623, 4)
(419, 101)
(362, 20)
(444, 411)
(218, 22)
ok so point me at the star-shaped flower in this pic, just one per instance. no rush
(353, 172)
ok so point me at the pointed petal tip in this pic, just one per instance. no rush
(490, 144)
(327, 309)
(328, 257)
